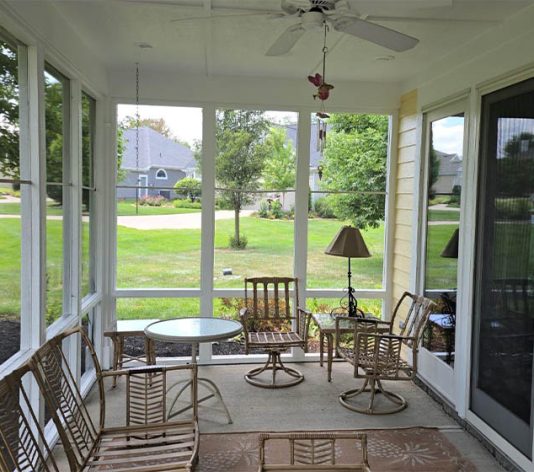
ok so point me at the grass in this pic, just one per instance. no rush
(124, 208)
(171, 258)
(443, 215)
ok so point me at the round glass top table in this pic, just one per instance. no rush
(194, 331)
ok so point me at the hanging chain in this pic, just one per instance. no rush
(137, 119)
(137, 137)
(325, 50)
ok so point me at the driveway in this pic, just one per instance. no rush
(180, 221)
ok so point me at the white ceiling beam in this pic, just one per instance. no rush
(208, 40)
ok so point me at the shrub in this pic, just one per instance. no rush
(512, 208)
(240, 243)
(263, 212)
(323, 209)
(189, 187)
(152, 200)
(180, 203)
(276, 209)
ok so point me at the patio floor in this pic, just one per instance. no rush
(311, 405)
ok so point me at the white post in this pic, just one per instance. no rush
(209, 151)
(300, 244)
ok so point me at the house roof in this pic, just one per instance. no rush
(450, 164)
(155, 150)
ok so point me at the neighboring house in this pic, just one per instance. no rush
(450, 173)
(161, 163)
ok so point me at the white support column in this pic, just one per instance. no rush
(389, 223)
(33, 221)
(74, 219)
(300, 243)
(98, 246)
(108, 251)
(209, 151)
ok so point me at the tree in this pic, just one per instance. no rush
(240, 159)
(9, 115)
(355, 161)
(190, 187)
(279, 170)
(157, 124)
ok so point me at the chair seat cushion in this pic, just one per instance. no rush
(270, 339)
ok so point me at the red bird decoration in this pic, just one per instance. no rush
(323, 89)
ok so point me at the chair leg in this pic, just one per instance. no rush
(372, 386)
(274, 363)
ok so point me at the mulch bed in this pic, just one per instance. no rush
(10, 342)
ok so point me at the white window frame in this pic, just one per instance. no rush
(161, 178)
(207, 293)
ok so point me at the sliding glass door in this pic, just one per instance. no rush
(502, 392)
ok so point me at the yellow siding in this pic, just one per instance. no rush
(404, 201)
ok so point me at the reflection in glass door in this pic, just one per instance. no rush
(444, 190)
(501, 389)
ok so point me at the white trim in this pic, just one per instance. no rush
(499, 442)
(143, 188)
(389, 213)
(161, 178)
(207, 252)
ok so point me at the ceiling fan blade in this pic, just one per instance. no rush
(286, 41)
(374, 33)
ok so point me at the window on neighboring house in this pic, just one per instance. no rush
(161, 174)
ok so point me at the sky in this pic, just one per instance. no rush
(186, 124)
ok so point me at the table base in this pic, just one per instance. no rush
(209, 385)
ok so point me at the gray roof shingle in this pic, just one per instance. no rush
(155, 150)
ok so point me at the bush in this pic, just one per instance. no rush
(512, 208)
(323, 209)
(276, 209)
(180, 203)
(263, 212)
(152, 200)
(238, 244)
(189, 187)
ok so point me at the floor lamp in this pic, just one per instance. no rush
(348, 242)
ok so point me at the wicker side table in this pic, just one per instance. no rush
(130, 328)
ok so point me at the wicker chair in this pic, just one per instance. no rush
(147, 442)
(376, 356)
(313, 452)
(20, 436)
(270, 324)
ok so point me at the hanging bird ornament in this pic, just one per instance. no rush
(323, 89)
(323, 92)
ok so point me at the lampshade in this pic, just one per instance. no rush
(348, 242)
(451, 249)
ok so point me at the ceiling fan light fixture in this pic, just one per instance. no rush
(312, 20)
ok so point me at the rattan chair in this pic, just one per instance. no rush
(378, 356)
(147, 442)
(20, 436)
(313, 452)
(273, 324)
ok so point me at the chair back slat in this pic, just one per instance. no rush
(63, 398)
(146, 400)
(271, 298)
(20, 433)
(413, 320)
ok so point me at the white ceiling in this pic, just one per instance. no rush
(236, 45)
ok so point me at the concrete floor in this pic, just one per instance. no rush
(311, 405)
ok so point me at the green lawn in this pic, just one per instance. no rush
(124, 208)
(443, 215)
(171, 258)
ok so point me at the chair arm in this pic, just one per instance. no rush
(304, 318)
(149, 369)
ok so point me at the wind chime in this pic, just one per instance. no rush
(323, 92)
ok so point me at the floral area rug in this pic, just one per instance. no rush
(406, 450)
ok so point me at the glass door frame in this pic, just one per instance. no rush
(438, 373)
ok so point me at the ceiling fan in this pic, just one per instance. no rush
(313, 14)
